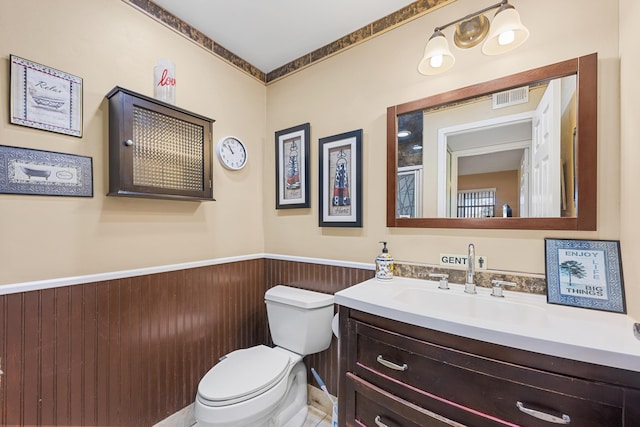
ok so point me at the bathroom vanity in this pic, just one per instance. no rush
(414, 355)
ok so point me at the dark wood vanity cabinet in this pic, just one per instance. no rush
(157, 149)
(394, 374)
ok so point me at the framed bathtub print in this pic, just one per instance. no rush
(45, 98)
(340, 195)
(46, 173)
(292, 167)
(585, 273)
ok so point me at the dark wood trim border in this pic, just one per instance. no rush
(402, 16)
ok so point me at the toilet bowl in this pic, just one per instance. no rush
(244, 388)
(263, 386)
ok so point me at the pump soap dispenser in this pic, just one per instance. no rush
(384, 264)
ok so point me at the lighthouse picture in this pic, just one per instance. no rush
(341, 180)
(293, 170)
(292, 167)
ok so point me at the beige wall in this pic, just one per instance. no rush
(630, 152)
(109, 43)
(352, 90)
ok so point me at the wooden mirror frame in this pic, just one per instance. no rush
(586, 70)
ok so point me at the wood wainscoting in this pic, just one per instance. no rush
(131, 351)
(125, 352)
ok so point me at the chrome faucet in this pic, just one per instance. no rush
(444, 280)
(469, 284)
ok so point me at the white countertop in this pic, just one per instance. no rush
(519, 320)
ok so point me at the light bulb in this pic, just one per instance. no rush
(506, 38)
(436, 61)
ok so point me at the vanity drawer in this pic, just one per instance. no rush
(378, 408)
(460, 385)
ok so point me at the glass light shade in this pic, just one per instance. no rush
(506, 33)
(437, 56)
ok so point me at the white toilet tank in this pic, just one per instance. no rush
(299, 320)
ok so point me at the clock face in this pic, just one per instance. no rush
(231, 153)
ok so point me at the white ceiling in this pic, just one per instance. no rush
(269, 34)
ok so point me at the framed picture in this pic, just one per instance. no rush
(341, 180)
(585, 273)
(45, 98)
(292, 167)
(25, 171)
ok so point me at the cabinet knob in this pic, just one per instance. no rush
(128, 143)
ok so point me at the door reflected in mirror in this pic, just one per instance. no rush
(509, 153)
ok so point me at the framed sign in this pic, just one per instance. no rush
(36, 172)
(585, 273)
(45, 98)
(292, 167)
(341, 180)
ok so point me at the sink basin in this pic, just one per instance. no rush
(519, 320)
(474, 307)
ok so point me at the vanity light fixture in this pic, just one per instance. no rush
(404, 133)
(505, 33)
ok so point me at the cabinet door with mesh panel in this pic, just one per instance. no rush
(157, 150)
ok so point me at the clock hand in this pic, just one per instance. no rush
(229, 147)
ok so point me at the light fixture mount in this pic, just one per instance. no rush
(471, 32)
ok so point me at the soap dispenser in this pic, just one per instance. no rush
(384, 264)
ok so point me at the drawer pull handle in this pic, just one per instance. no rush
(565, 419)
(379, 423)
(392, 365)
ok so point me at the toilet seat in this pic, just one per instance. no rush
(242, 375)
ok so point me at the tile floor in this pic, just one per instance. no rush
(319, 412)
(184, 418)
(317, 418)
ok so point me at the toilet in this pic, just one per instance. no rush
(266, 386)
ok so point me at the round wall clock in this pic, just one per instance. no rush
(232, 153)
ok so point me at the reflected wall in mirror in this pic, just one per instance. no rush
(517, 152)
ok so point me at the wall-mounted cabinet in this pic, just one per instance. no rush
(157, 149)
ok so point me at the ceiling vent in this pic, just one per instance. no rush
(511, 97)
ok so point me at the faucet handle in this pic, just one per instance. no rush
(444, 280)
(496, 289)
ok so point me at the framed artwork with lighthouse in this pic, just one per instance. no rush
(292, 167)
(340, 190)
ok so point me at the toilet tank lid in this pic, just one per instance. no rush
(298, 297)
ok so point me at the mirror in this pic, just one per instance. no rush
(518, 152)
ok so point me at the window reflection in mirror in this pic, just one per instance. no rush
(409, 201)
